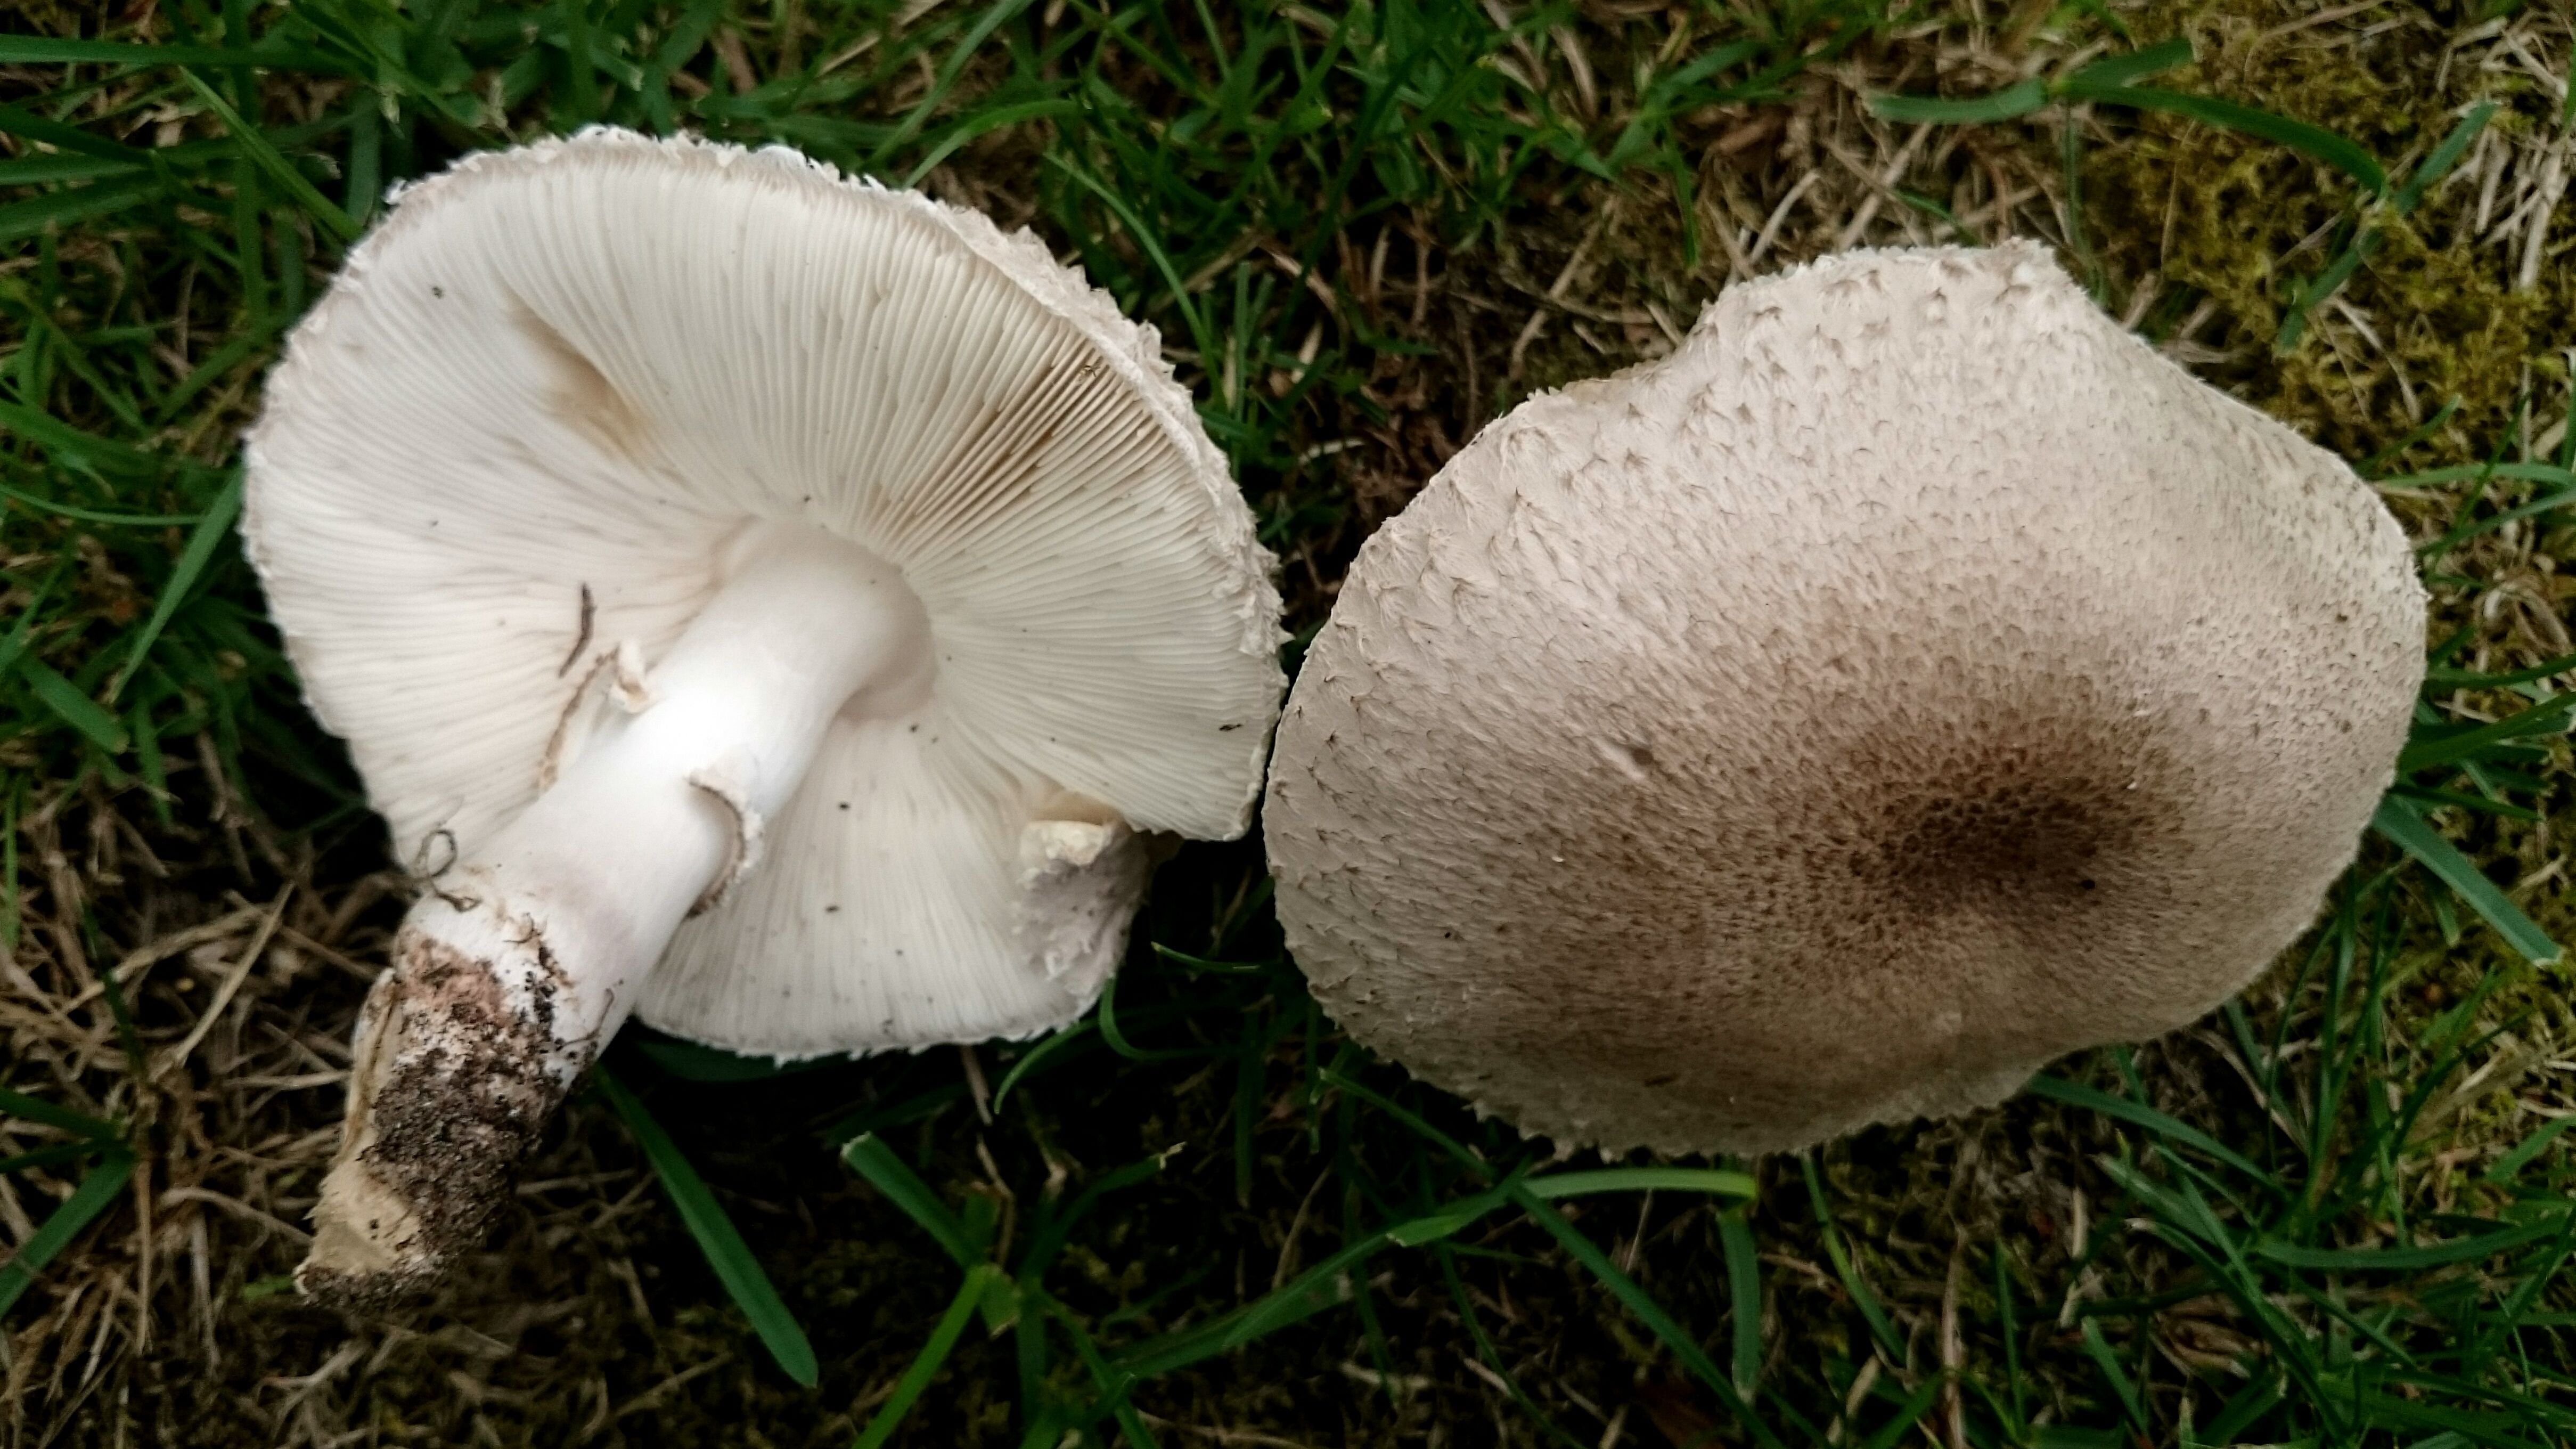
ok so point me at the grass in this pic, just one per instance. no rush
(2334, 1214)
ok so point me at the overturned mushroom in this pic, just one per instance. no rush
(1910, 680)
(777, 606)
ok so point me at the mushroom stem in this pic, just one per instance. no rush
(521, 962)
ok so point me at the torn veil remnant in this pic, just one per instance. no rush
(801, 604)
(1910, 680)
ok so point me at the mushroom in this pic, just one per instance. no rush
(1911, 679)
(786, 609)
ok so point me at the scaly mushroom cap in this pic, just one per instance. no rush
(549, 389)
(1911, 679)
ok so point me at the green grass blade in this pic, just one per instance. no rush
(925, 1364)
(1433, 1227)
(2444, 157)
(1055, 1229)
(95, 1193)
(43, 169)
(2510, 1166)
(2538, 1274)
(1412, 1121)
(92, 515)
(2058, 1089)
(1744, 1295)
(36, 215)
(1202, 963)
(1113, 1382)
(984, 123)
(1556, 1185)
(2369, 467)
(872, 1159)
(1106, 1014)
(2017, 1382)
(2390, 1260)
(17, 122)
(885, 1116)
(2294, 324)
(46, 1156)
(2099, 1350)
(1684, 1348)
(2416, 836)
(2465, 801)
(266, 158)
(1303, 140)
(2493, 1430)
(1029, 1060)
(50, 50)
(37, 1109)
(2548, 473)
(2137, 65)
(950, 70)
(1908, 1414)
(1493, 1358)
(1153, 249)
(127, 1037)
(202, 542)
(71, 446)
(2315, 142)
(1039, 1410)
(2471, 679)
(19, 637)
(2002, 105)
(2243, 1411)
(220, 362)
(2543, 718)
(362, 178)
(1311, 1292)
(76, 709)
(726, 1252)
(1889, 1340)
(2475, 527)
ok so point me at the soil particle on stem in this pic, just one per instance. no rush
(436, 1141)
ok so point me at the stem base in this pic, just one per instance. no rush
(453, 1080)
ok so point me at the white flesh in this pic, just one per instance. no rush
(521, 962)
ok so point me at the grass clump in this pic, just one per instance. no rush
(2333, 1214)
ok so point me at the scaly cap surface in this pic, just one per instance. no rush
(1911, 679)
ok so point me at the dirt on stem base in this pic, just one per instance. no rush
(451, 1087)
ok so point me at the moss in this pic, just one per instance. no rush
(2225, 216)
(592, 1298)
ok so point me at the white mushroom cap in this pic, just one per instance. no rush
(1911, 679)
(553, 389)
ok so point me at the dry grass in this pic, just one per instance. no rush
(243, 948)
